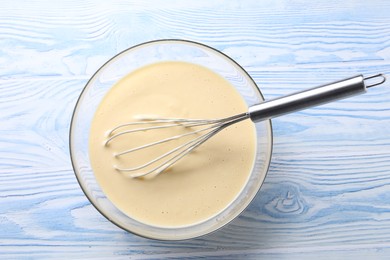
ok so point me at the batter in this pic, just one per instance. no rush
(200, 185)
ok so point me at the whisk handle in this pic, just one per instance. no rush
(313, 97)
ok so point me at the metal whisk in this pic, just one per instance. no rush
(204, 129)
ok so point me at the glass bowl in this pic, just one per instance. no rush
(128, 61)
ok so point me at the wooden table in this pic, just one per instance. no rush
(327, 193)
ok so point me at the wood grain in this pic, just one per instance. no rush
(327, 191)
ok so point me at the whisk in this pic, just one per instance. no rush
(204, 129)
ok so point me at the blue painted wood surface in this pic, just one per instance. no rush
(327, 193)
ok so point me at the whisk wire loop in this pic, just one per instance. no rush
(211, 127)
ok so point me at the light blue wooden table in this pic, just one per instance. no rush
(327, 193)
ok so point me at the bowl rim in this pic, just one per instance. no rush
(258, 92)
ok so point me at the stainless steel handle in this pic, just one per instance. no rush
(312, 97)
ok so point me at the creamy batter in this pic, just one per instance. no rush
(200, 185)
